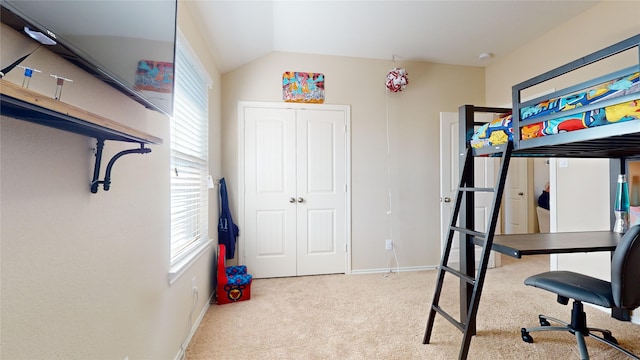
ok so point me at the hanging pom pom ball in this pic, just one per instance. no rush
(397, 80)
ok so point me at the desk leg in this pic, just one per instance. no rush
(468, 267)
(467, 253)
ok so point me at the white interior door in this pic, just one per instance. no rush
(296, 196)
(516, 195)
(321, 191)
(269, 229)
(517, 190)
(485, 169)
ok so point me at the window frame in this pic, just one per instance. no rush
(181, 261)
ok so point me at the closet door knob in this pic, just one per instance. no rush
(300, 199)
(292, 200)
(447, 199)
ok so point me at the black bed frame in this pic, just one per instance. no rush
(610, 141)
(614, 141)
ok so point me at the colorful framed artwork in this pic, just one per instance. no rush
(303, 87)
(154, 76)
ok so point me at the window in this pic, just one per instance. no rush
(189, 163)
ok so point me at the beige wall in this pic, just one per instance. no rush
(576, 38)
(85, 276)
(571, 41)
(414, 143)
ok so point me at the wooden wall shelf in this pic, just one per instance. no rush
(24, 104)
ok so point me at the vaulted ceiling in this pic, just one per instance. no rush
(451, 32)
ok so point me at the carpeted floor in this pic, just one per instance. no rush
(383, 317)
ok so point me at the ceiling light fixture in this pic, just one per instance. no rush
(485, 56)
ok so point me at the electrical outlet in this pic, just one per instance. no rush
(388, 244)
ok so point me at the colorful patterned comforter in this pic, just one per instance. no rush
(500, 130)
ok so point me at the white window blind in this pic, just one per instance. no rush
(189, 147)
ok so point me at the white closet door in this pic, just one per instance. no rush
(296, 198)
(270, 184)
(321, 192)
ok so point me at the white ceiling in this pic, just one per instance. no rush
(451, 32)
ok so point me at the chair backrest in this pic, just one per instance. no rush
(625, 270)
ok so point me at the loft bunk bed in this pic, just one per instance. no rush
(593, 119)
(599, 118)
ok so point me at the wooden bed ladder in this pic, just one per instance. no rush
(470, 285)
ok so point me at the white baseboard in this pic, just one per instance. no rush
(181, 355)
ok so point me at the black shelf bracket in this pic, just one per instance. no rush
(95, 183)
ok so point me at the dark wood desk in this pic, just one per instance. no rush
(518, 245)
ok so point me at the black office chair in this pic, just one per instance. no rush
(622, 292)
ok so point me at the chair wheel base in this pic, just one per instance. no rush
(525, 336)
(610, 338)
